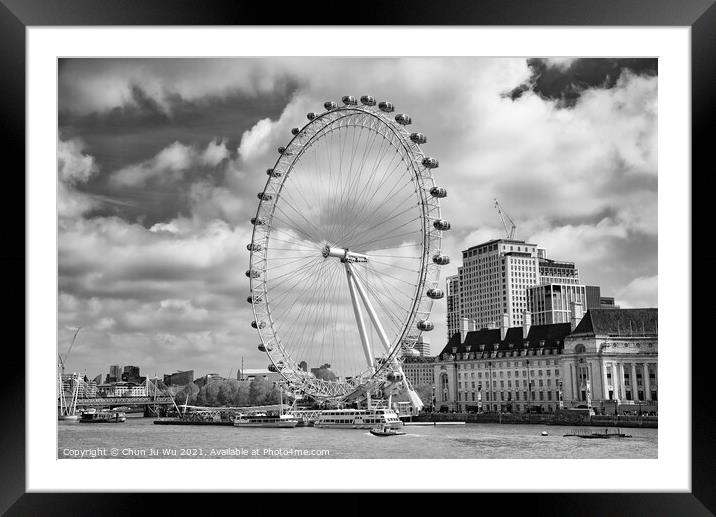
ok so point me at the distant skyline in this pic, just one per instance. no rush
(159, 162)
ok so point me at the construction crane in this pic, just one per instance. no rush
(62, 361)
(505, 219)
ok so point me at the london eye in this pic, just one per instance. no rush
(346, 252)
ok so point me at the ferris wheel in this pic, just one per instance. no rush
(346, 252)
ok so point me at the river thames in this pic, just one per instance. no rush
(140, 438)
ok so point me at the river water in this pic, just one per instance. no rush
(140, 438)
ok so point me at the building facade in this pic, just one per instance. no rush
(610, 361)
(420, 371)
(452, 298)
(595, 300)
(422, 346)
(506, 369)
(552, 303)
(179, 378)
(493, 281)
(557, 271)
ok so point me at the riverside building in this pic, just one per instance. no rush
(505, 369)
(420, 371)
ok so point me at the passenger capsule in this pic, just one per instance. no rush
(411, 352)
(257, 221)
(258, 325)
(403, 119)
(254, 247)
(273, 173)
(281, 150)
(386, 106)
(367, 100)
(441, 224)
(394, 377)
(330, 105)
(430, 163)
(441, 260)
(438, 192)
(272, 368)
(426, 325)
(435, 293)
(418, 138)
(265, 196)
(264, 348)
(252, 273)
(310, 115)
(295, 131)
(349, 100)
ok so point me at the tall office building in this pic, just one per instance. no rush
(115, 373)
(492, 285)
(452, 296)
(494, 279)
(423, 347)
(595, 300)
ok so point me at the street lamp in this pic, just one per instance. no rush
(489, 383)
(559, 395)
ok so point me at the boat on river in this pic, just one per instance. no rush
(92, 416)
(357, 418)
(266, 420)
(385, 430)
(589, 434)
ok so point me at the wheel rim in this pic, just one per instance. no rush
(350, 179)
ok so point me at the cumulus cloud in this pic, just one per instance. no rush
(580, 181)
(640, 292)
(170, 164)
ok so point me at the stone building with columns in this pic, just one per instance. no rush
(610, 361)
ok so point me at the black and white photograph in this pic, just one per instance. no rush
(326, 258)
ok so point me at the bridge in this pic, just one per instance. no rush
(123, 401)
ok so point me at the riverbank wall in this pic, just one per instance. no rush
(560, 418)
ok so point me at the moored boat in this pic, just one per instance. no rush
(102, 417)
(583, 433)
(266, 420)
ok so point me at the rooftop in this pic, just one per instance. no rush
(484, 341)
(619, 322)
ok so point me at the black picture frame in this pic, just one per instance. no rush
(17, 15)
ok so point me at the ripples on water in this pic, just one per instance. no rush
(449, 442)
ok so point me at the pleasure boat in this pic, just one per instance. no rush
(357, 418)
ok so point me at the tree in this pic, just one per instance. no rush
(425, 392)
(325, 373)
(258, 391)
(186, 394)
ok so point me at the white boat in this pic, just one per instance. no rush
(264, 420)
(357, 418)
(385, 430)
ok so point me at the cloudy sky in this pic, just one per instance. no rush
(160, 160)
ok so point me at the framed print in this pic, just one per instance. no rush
(358, 255)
